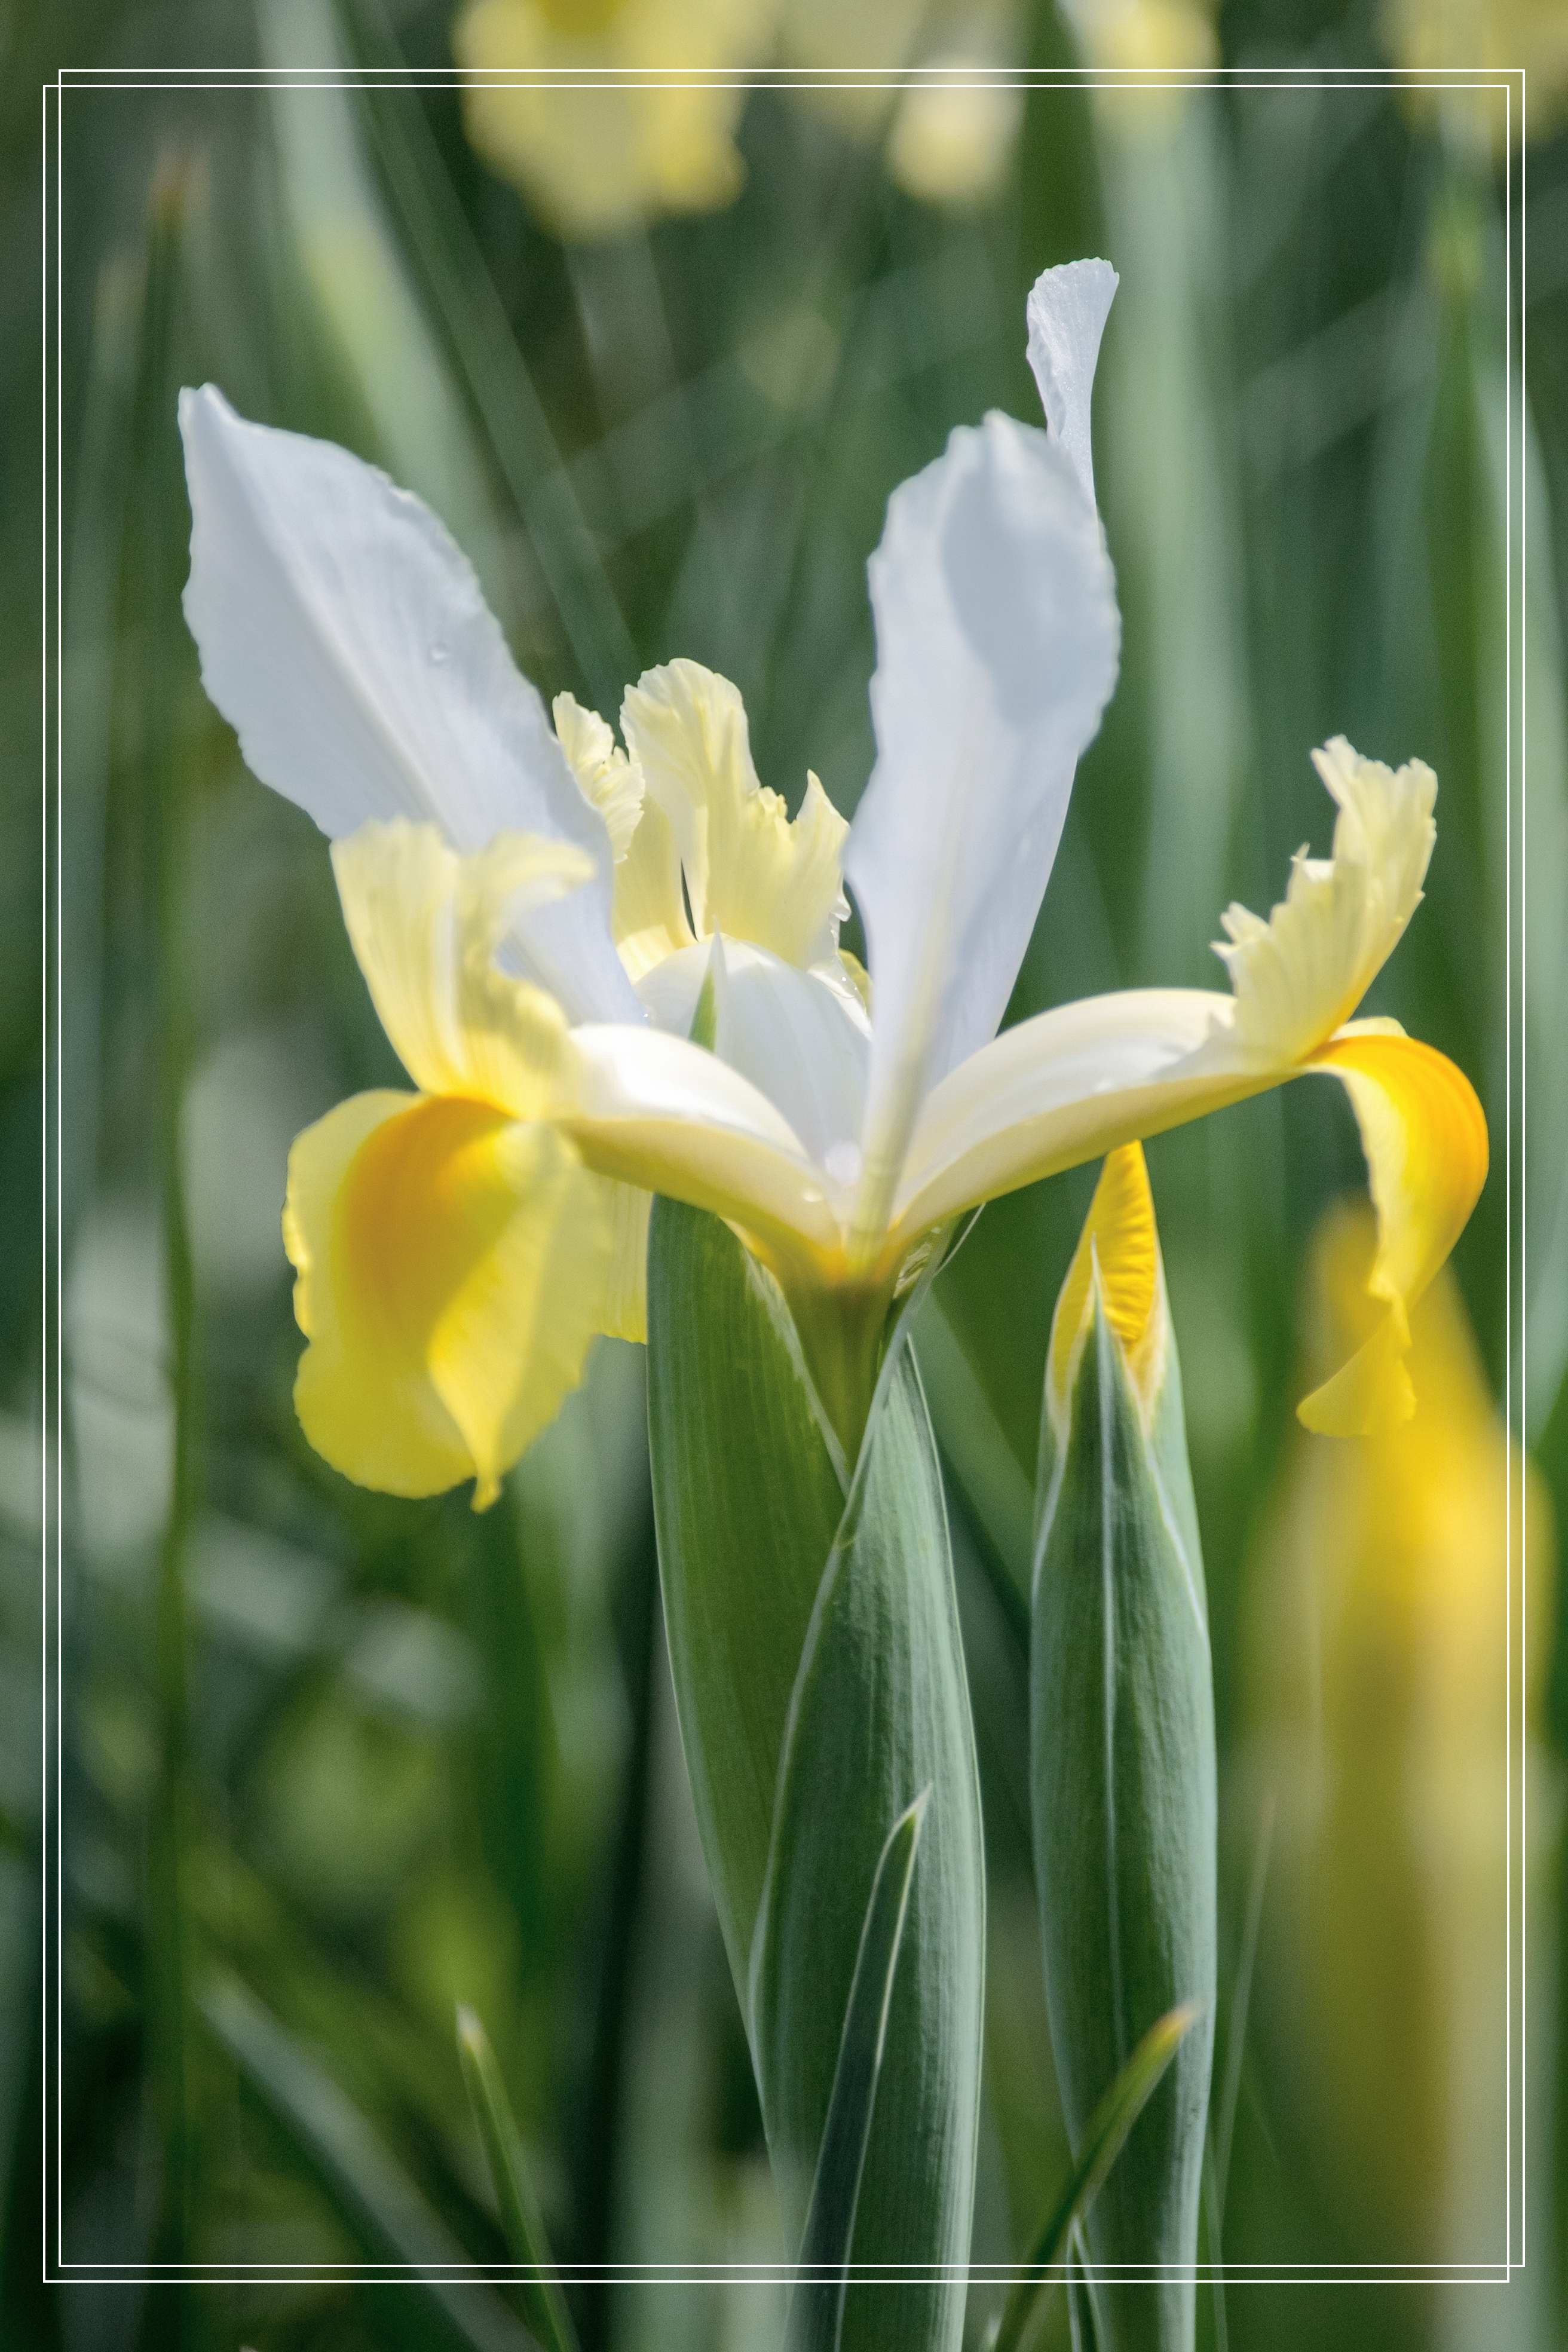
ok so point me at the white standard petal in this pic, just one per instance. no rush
(801, 1037)
(344, 637)
(1067, 311)
(997, 637)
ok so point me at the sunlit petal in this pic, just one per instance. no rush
(996, 650)
(451, 1266)
(344, 637)
(751, 873)
(1067, 311)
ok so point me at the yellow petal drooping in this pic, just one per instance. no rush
(452, 1266)
(647, 914)
(1425, 1136)
(749, 872)
(1302, 972)
(425, 924)
(1120, 1244)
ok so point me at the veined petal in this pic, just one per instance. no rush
(344, 637)
(1302, 972)
(647, 911)
(451, 1271)
(425, 924)
(996, 650)
(1424, 1137)
(751, 872)
(626, 1209)
(801, 1037)
(661, 1112)
(1066, 311)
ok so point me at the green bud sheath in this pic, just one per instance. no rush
(824, 1714)
(1123, 1753)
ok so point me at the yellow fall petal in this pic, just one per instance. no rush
(1425, 1136)
(452, 1266)
(647, 912)
(751, 872)
(425, 924)
(1121, 1243)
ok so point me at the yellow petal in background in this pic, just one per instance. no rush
(1424, 1137)
(452, 1267)
(751, 873)
(425, 924)
(596, 158)
(1387, 1592)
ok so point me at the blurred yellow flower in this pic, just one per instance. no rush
(1435, 36)
(1378, 1653)
(1147, 38)
(596, 157)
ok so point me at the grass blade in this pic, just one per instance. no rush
(520, 2217)
(1112, 2120)
(817, 2307)
(380, 2205)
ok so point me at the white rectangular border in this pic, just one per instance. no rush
(55, 2270)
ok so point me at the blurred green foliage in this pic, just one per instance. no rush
(329, 1765)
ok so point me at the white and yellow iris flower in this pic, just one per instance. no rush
(538, 913)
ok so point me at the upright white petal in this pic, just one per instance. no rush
(998, 637)
(1067, 313)
(344, 637)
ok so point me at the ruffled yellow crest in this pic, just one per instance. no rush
(751, 873)
(647, 912)
(1302, 972)
(1120, 1250)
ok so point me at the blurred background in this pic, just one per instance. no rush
(329, 1764)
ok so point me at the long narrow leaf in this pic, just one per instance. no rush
(1114, 2120)
(381, 2205)
(520, 2217)
(817, 2309)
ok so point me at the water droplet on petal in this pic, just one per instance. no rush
(438, 654)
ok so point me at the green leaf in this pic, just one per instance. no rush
(1114, 2120)
(520, 2217)
(379, 2204)
(1123, 1774)
(819, 1678)
(817, 2305)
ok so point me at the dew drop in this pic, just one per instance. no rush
(438, 655)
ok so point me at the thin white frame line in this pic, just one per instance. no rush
(1282, 79)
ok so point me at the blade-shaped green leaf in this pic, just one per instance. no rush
(820, 1683)
(817, 2305)
(520, 2217)
(380, 2205)
(1122, 1771)
(1114, 2120)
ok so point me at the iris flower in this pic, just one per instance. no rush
(541, 914)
